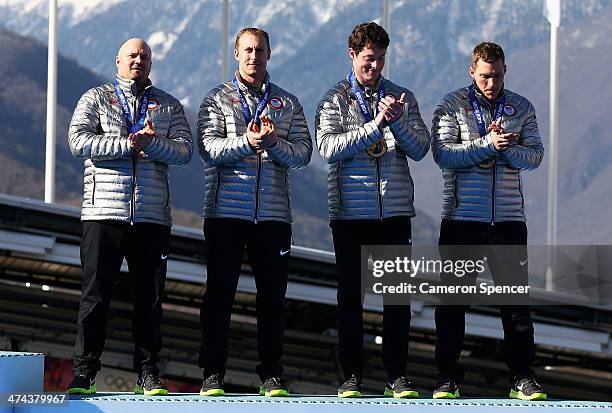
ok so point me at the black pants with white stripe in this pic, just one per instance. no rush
(268, 245)
(104, 245)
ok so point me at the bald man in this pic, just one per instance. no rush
(128, 133)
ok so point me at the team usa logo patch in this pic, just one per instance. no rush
(276, 103)
(509, 110)
(153, 104)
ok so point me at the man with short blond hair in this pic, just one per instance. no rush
(250, 133)
(483, 136)
(128, 133)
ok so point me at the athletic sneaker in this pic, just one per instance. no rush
(526, 388)
(149, 384)
(82, 384)
(401, 388)
(446, 389)
(351, 388)
(272, 387)
(212, 385)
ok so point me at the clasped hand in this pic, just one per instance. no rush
(501, 139)
(261, 136)
(141, 139)
(389, 110)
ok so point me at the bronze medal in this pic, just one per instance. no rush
(377, 149)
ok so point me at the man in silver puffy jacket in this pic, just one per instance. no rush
(366, 128)
(483, 136)
(250, 132)
(128, 133)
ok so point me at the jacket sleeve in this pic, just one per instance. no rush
(85, 137)
(335, 145)
(528, 153)
(214, 145)
(448, 150)
(295, 150)
(177, 148)
(410, 131)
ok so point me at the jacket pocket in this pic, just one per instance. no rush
(455, 195)
(520, 181)
(338, 179)
(287, 193)
(217, 188)
(167, 193)
(93, 189)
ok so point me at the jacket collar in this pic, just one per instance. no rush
(129, 86)
(246, 89)
(483, 99)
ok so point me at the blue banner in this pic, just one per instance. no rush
(361, 101)
(479, 116)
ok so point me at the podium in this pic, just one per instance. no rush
(24, 372)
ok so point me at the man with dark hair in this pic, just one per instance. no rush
(250, 132)
(483, 135)
(128, 133)
(366, 129)
(488, 52)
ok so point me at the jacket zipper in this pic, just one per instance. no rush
(374, 108)
(493, 174)
(133, 194)
(257, 186)
(379, 189)
(133, 189)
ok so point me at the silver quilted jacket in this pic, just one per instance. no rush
(119, 185)
(237, 182)
(472, 192)
(360, 186)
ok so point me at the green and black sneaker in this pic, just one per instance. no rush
(526, 388)
(213, 385)
(149, 384)
(82, 384)
(401, 388)
(272, 387)
(351, 388)
(446, 389)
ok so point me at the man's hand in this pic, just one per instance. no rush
(142, 138)
(380, 120)
(391, 108)
(261, 137)
(254, 136)
(504, 140)
(268, 129)
(501, 139)
(496, 126)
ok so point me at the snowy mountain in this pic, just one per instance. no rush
(429, 53)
